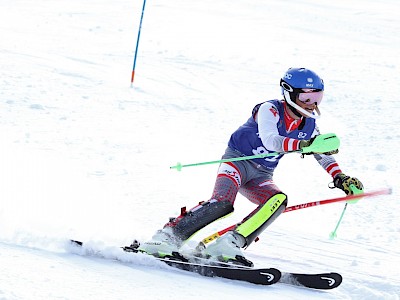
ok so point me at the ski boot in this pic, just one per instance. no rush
(227, 249)
(163, 244)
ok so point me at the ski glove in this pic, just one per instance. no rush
(327, 144)
(350, 185)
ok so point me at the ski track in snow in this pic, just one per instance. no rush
(85, 156)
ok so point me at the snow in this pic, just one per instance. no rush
(86, 156)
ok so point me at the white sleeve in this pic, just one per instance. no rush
(267, 119)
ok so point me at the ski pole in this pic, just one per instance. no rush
(323, 143)
(332, 235)
(355, 191)
(137, 42)
(179, 166)
(385, 191)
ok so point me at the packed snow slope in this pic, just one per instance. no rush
(86, 156)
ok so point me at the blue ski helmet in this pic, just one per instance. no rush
(299, 80)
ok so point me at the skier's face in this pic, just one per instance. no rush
(310, 96)
(308, 106)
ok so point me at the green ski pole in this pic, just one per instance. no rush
(322, 143)
(179, 166)
(356, 191)
(333, 234)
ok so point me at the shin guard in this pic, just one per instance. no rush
(198, 217)
(259, 221)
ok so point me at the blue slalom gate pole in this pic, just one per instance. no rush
(137, 42)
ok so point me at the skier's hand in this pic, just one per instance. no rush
(304, 144)
(350, 185)
(336, 151)
(321, 144)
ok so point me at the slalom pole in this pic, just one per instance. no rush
(348, 199)
(355, 191)
(179, 166)
(137, 43)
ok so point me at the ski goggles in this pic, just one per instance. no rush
(310, 96)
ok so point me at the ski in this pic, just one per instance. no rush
(321, 281)
(261, 276)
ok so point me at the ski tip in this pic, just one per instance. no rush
(323, 281)
(333, 280)
(75, 242)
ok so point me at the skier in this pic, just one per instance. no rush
(274, 126)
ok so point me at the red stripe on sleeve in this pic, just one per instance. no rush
(285, 145)
(335, 173)
(331, 166)
(296, 144)
(333, 169)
